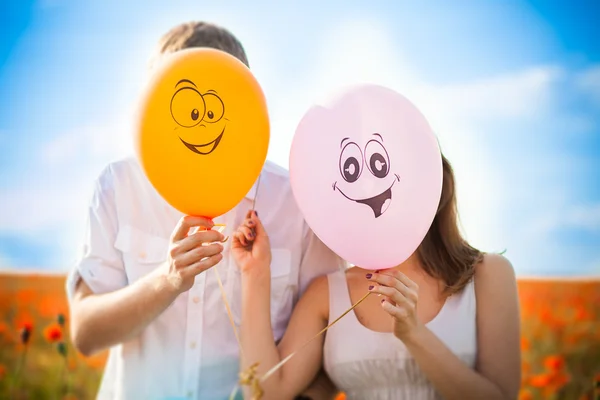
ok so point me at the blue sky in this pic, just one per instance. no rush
(511, 89)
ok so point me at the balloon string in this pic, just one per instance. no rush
(248, 377)
(220, 229)
(229, 314)
(256, 193)
(285, 360)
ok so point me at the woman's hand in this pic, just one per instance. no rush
(400, 299)
(250, 247)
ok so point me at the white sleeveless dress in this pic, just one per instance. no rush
(373, 365)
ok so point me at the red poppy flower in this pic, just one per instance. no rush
(554, 363)
(53, 333)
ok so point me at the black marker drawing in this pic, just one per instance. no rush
(190, 108)
(375, 156)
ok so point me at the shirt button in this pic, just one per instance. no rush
(196, 299)
(142, 255)
(193, 345)
(189, 395)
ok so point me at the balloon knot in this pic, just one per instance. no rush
(249, 378)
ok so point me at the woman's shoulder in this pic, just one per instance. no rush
(494, 267)
(316, 296)
(495, 281)
(318, 285)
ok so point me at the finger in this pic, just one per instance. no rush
(392, 294)
(248, 233)
(186, 223)
(406, 286)
(249, 222)
(197, 239)
(197, 254)
(382, 278)
(202, 265)
(387, 279)
(220, 229)
(405, 280)
(237, 239)
(240, 238)
(395, 311)
(235, 236)
(259, 229)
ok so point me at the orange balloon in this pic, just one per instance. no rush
(203, 131)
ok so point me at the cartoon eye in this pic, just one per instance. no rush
(187, 107)
(377, 159)
(351, 162)
(214, 108)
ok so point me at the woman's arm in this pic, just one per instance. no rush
(259, 346)
(309, 317)
(497, 374)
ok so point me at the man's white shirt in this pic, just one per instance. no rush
(189, 351)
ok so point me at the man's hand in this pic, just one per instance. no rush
(190, 255)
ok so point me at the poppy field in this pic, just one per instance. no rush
(560, 340)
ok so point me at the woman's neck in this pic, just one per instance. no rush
(412, 264)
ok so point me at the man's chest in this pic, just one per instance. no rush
(145, 226)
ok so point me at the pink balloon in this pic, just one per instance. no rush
(366, 171)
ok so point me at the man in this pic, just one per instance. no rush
(142, 287)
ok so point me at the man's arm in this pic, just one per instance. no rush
(104, 320)
(104, 310)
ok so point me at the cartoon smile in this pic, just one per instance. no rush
(190, 108)
(204, 148)
(352, 162)
(378, 203)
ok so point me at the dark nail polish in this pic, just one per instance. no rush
(256, 213)
(371, 287)
(251, 234)
(382, 301)
(369, 276)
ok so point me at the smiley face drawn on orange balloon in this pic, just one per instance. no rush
(203, 131)
(208, 109)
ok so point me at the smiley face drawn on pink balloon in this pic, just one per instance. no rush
(366, 172)
(376, 159)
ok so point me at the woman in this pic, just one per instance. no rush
(443, 324)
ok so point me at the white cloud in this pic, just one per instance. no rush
(85, 144)
(522, 94)
(32, 208)
(68, 164)
(49, 207)
(530, 237)
(593, 269)
(52, 215)
(588, 82)
(5, 262)
(587, 217)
